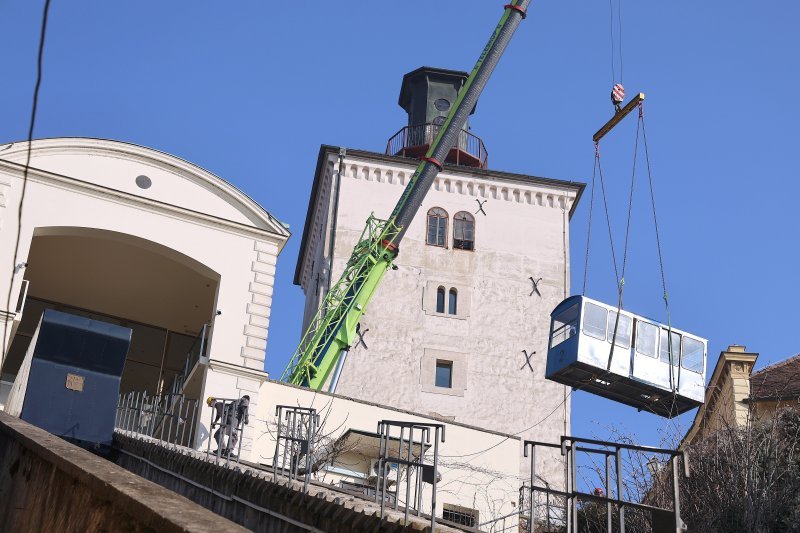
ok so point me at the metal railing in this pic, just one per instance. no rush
(297, 431)
(424, 134)
(196, 351)
(615, 506)
(169, 418)
(403, 454)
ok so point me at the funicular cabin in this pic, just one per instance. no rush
(640, 373)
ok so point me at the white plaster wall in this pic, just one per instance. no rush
(488, 480)
(525, 233)
(241, 253)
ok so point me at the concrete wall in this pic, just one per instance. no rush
(479, 468)
(251, 497)
(48, 484)
(87, 183)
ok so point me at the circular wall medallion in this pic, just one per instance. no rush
(441, 104)
(143, 182)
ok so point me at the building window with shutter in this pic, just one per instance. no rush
(463, 231)
(437, 227)
(452, 302)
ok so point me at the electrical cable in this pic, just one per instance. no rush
(31, 125)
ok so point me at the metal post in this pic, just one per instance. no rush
(190, 442)
(277, 445)
(618, 456)
(676, 494)
(531, 514)
(574, 452)
(435, 473)
(608, 493)
(425, 439)
(399, 455)
(382, 468)
(408, 473)
(568, 480)
(380, 456)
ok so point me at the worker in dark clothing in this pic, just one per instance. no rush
(229, 414)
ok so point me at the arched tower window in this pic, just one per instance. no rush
(440, 300)
(437, 227)
(464, 231)
(452, 303)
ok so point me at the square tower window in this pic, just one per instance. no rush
(444, 374)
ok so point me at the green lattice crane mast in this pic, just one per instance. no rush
(333, 329)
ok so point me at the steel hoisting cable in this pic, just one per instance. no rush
(621, 280)
(611, 36)
(589, 227)
(675, 385)
(608, 218)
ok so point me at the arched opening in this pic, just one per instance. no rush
(452, 304)
(440, 300)
(463, 231)
(437, 227)
(165, 297)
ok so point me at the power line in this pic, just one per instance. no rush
(31, 125)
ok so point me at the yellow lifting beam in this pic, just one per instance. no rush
(618, 116)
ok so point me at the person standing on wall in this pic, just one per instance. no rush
(229, 414)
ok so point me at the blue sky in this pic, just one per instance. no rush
(249, 90)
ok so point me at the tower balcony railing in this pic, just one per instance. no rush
(414, 141)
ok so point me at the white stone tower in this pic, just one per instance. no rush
(460, 329)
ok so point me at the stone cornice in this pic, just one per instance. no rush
(154, 206)
(154, 158)
(534, 191)
(237, 370)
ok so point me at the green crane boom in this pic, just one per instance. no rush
(333, 329)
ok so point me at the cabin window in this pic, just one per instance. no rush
(676, 348)
(444, 374)
(437, 227)
(564, 325)
(693, 355)
(440, 300)
(624, 329)
(646, 338)
(463, 231)
(452, 302)
(594, 320)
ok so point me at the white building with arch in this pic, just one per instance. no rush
(137, 237)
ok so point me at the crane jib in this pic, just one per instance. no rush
(426, 172)
(333, 328)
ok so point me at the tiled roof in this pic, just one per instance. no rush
(778, 381)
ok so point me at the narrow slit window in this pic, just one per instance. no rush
(452, 304)
(440, 300)
(437, 227)
(464, 231)
(444, 374)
